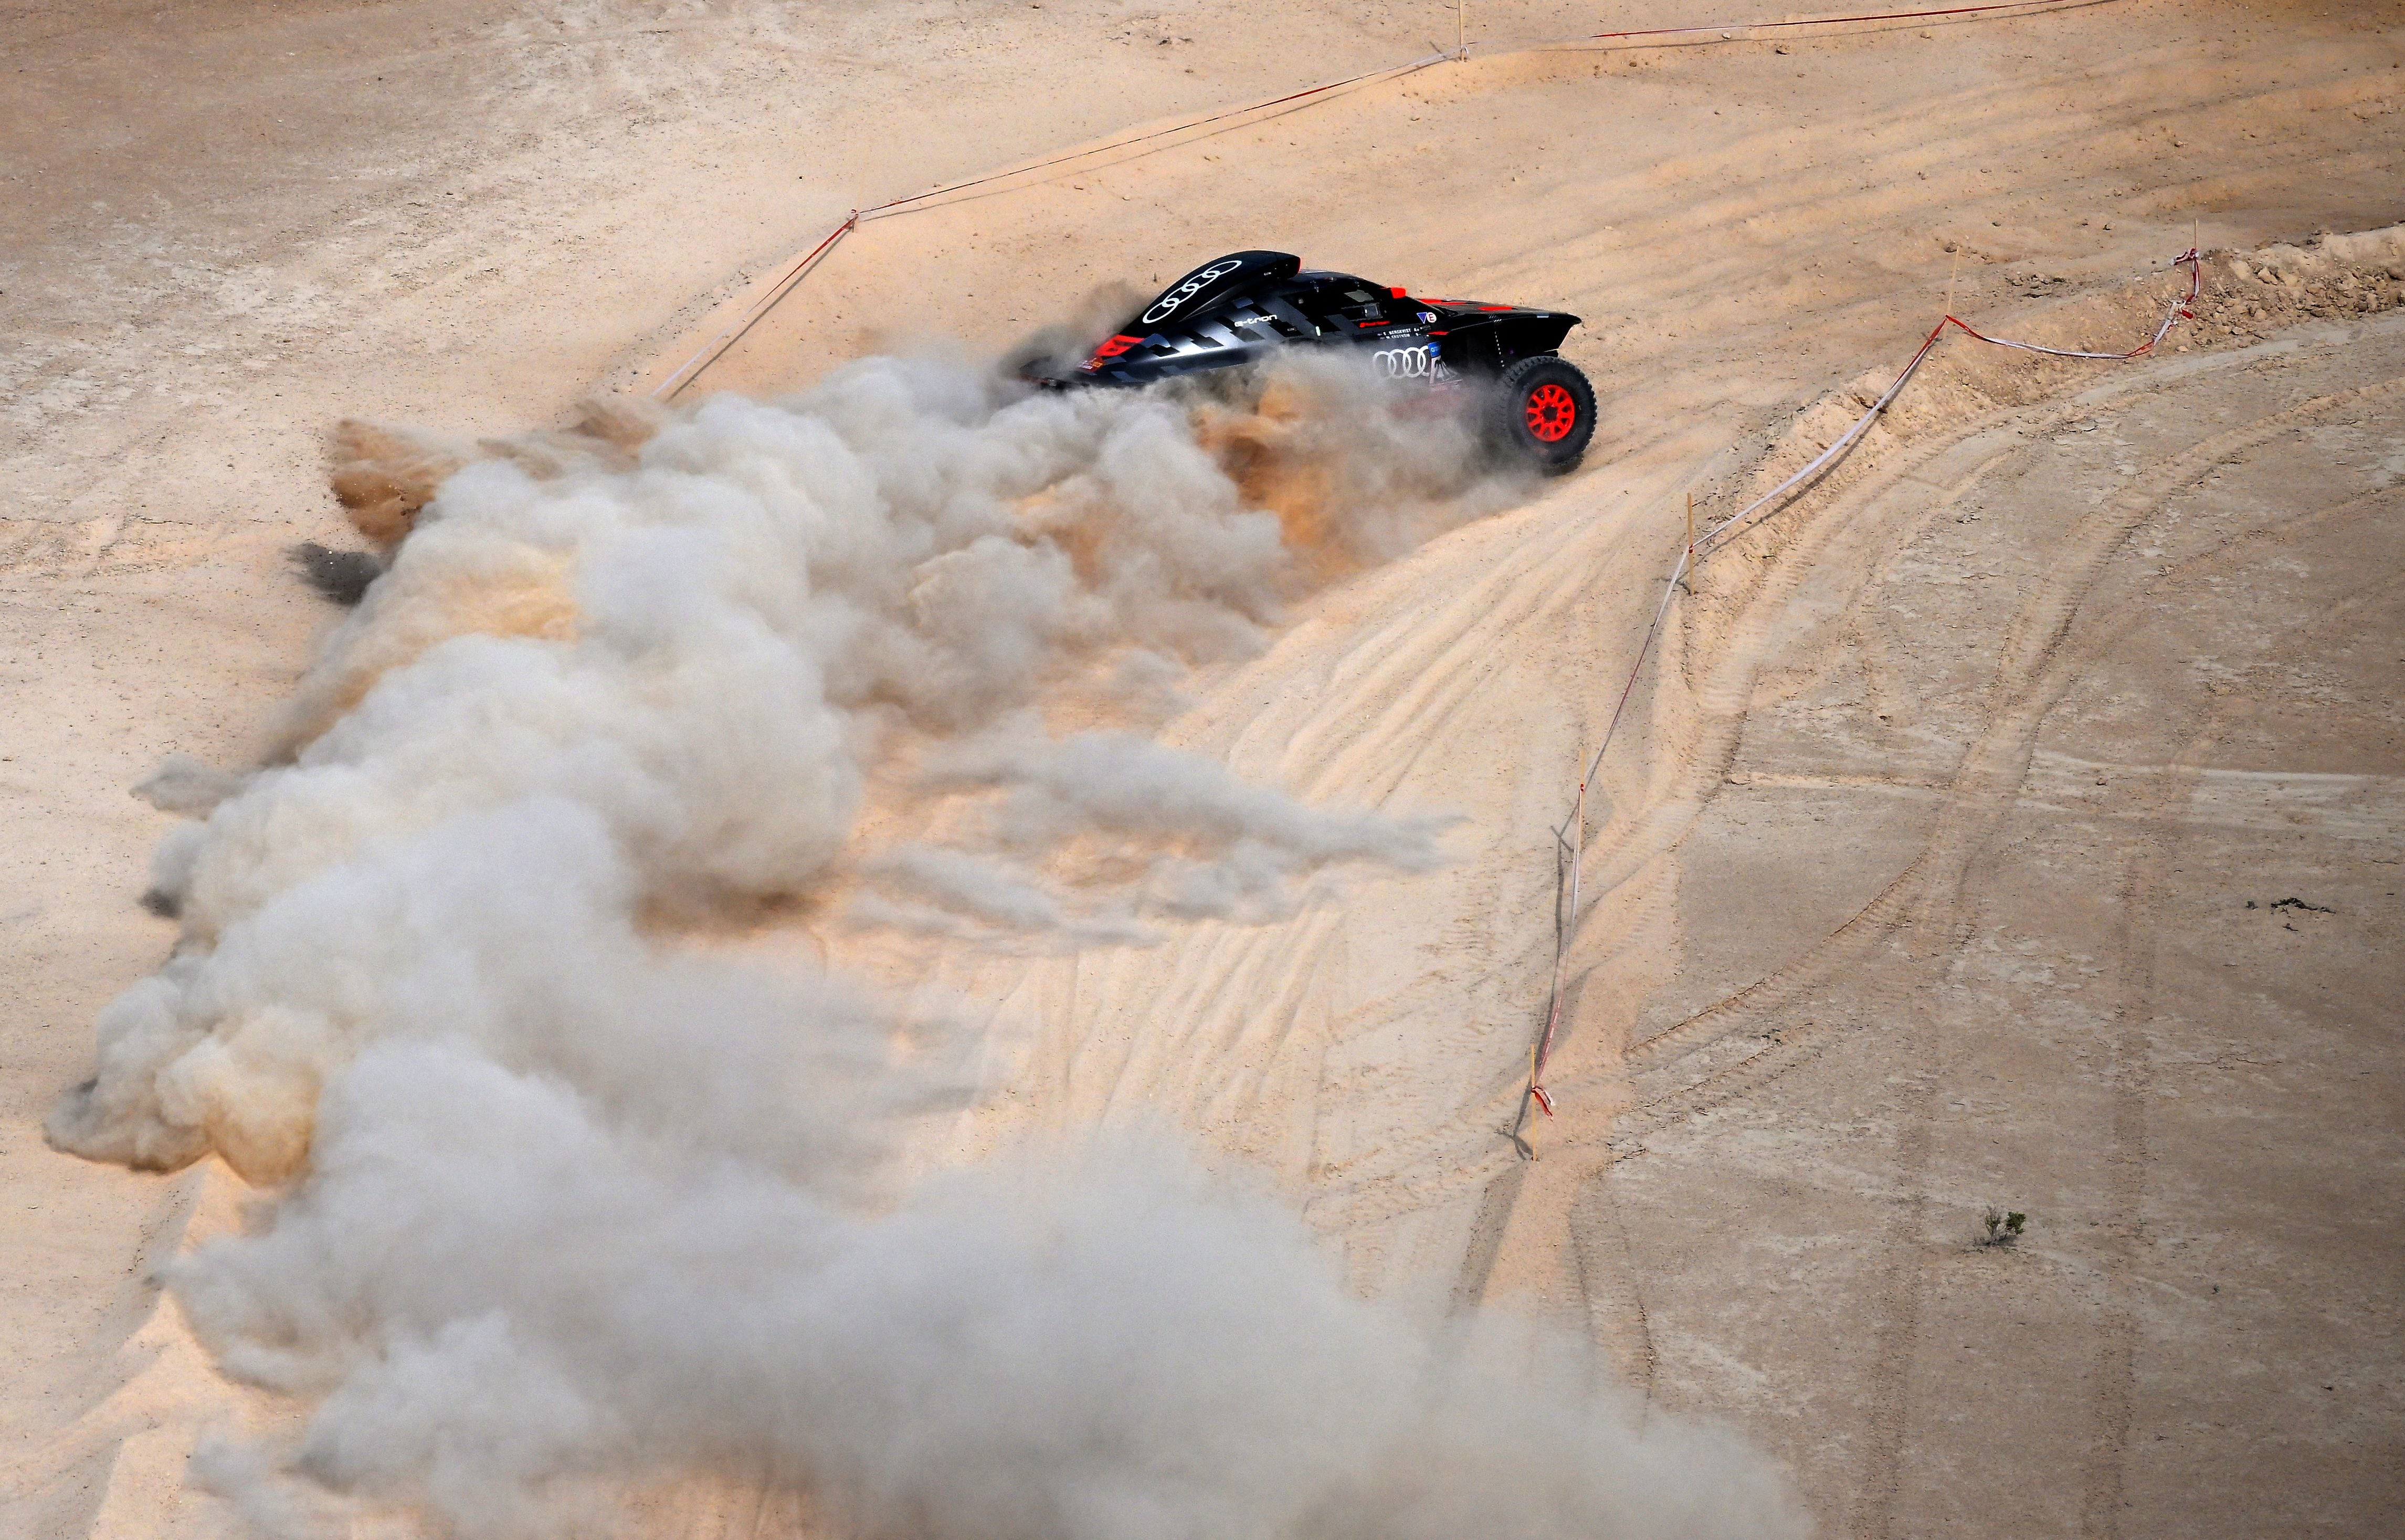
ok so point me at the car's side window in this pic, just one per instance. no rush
(1341, 305)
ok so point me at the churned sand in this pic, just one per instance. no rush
(2011, 823)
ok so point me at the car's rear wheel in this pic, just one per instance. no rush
(1543, 413)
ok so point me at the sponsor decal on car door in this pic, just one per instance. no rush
(1420, 362)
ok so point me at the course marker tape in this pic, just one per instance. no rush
(711, 351)
(2181, 308)
(1722, 32)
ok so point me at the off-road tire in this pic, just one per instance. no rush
(1542, 414)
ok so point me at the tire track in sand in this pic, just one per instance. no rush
(2041, 657)
(2032, 676)
(2141, 894)
(2049, 660)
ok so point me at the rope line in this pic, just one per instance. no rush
(1820, 22)
(713, 350)
(899, 205)
(2182, 307)
(708, 353)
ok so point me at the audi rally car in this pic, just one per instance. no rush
(1498, 361)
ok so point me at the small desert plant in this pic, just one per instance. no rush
(2004, 1226)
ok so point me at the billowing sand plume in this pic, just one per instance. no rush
(565, 1205)
(1118, 1347)
(383, 477)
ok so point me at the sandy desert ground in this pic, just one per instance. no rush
(2007, 822)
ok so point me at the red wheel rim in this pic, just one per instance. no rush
(1551, 412)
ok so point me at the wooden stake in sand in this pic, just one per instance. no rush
(1951, 274)
(1461, 27)
(1688, 572)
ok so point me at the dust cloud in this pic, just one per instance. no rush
(563, 1206)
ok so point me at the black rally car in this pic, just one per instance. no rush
(1498, 360)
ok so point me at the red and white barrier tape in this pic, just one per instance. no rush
(690, 370)
(2181, 308)
(1723, 32)
(711, 351)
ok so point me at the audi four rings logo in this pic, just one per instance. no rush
(1408, 363)
(1165, 306)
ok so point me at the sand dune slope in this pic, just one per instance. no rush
(2015, 820)
(1970, 864)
